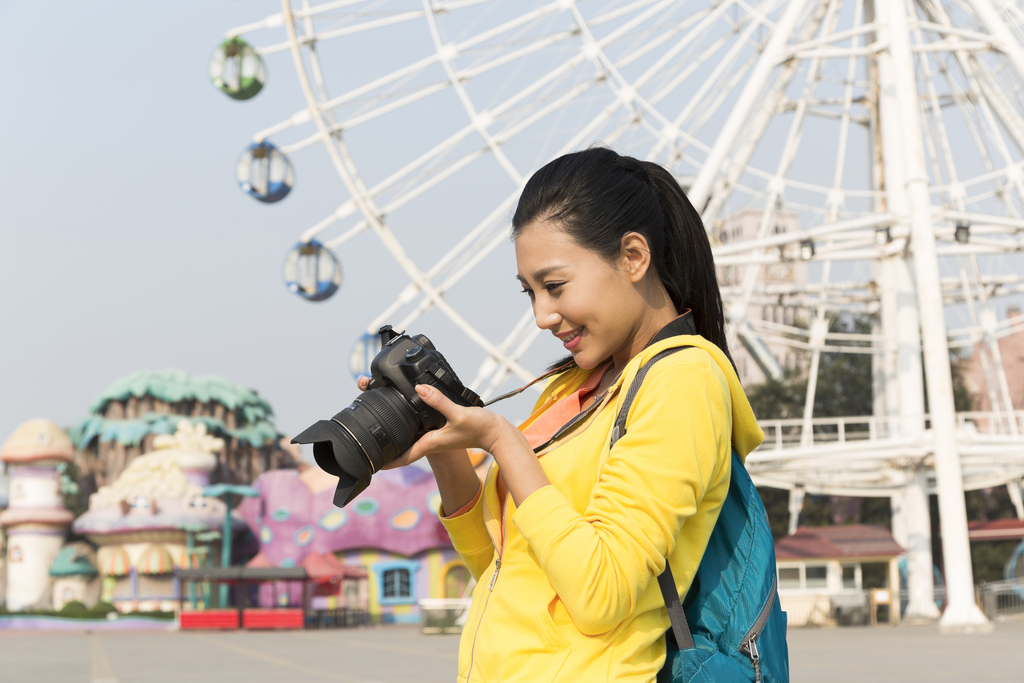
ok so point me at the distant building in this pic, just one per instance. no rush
(741, 226)
(136, 409)
(391, 530)
(36, 520)
(1011, 349)
(75, 577)
(823, 570)
(141, 522)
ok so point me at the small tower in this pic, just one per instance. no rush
(35, 520)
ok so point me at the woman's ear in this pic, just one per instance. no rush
(634, 256)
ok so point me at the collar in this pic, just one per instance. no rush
(682, 325)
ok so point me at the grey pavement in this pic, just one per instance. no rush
(396, 654)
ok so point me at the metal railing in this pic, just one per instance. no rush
(792, 433)
(854, 607)
(443, 615)
(1002, 600)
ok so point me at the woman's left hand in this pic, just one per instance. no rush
(467, 427)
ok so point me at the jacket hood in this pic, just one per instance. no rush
(746, 433)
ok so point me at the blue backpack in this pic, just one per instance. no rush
(730, 627)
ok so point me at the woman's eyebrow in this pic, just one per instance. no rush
(540, 274)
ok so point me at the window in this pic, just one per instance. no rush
(817, 576)
(850, 576)
(789, 577)
(14, 554)
(396, 583)
(456, 580)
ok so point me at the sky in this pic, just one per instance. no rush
(124, 241)
(126, 245)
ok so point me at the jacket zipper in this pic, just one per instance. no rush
(749, 643)
(490, 587)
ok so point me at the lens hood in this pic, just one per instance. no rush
(329, 449)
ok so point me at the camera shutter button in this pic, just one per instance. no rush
(414, 354)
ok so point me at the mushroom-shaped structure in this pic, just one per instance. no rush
(391, 530)
(36, 519)
(312, 271)
(140, 520)
(264, 172)
(237, 69)
(75, 576)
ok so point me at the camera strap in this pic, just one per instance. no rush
(549, 373)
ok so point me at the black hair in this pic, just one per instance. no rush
(597, 196)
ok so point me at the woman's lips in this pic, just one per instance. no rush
(574, 339)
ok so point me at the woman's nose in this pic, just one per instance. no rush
(546, 317)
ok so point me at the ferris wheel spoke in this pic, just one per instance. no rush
(343, 164)
(369, 25)
(519, 339)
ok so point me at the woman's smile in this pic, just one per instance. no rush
(570, 339)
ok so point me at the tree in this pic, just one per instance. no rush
(843, 388)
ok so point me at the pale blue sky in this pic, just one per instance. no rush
(125, 244)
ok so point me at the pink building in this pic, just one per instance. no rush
(1011, 349)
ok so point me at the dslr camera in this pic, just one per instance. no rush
(387, 419)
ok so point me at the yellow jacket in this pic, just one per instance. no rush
(569, 592)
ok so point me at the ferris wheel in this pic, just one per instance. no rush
(857, 157)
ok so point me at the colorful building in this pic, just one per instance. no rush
(142, 521)
(36, 520)
(75, 578)
(391, 530)
(135, 410)
(826, 571)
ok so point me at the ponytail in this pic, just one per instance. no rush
(598, 196)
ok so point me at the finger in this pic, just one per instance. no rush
(436, 400)
(363, 383)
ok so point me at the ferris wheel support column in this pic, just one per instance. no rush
(961, 614)
(904, 388)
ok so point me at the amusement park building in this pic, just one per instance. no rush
(391, 529)
(36, 520)
(133, 411)
(142, 521)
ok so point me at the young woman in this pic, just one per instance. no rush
(566, 537)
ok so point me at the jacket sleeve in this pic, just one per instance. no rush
(675, 448)
(470, 537)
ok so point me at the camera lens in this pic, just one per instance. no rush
(375, 429)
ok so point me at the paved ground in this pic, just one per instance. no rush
(401, 655)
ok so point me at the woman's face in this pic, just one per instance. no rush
(591, 304)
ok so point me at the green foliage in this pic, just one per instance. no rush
(103, 608)
(77, 610)
(989, 559)
(844, 388)
(74, 610)
(70, 488)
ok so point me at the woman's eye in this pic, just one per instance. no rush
(527, 291)
(553, 286)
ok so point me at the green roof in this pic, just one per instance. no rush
(132, 432)
(66, 564)
(171, 386)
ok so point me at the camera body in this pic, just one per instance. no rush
(389, 417)
(404, 362)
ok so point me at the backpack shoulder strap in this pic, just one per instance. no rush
(667, 583)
